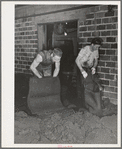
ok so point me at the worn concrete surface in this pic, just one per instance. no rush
(65, 127)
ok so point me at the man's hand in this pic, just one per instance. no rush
(40, 77)
(84, 74)
(93, 70)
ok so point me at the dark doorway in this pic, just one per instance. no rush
(66, 40)
(68, 72)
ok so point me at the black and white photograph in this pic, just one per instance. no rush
(61, 74)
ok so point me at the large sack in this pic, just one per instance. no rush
(44, 86)
(39, 105)
(44, 94)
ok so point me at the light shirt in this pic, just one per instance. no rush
(87, 57)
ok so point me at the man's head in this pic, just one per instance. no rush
(57, 54)
(96, 43)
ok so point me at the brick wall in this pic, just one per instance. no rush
(97, 24)
(26, 44)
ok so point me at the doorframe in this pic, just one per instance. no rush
(43, 45)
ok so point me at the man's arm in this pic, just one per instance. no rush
(35, 63)
(95, 63)
(96, 55)
(94, 66)
(79, 64)
(83, 72)
(57, 69)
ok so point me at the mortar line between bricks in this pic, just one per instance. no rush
(105, 67)
(103, 37)
(101, 12)
(109, 86)
(98, 30)
(108, 67)
(108, 60)
(23, 26)
(109, 48)
(98, 24)
(27, 43)
(106, 73)
(110, 92)
(103, 49)
(109, 98)
(101, 17)
(25, 35)
(24, 30)
(106, 79)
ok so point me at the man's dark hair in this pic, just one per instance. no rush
(97, 41)
(58, 52)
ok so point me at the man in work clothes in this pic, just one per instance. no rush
(42, 64)
(87, 61)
